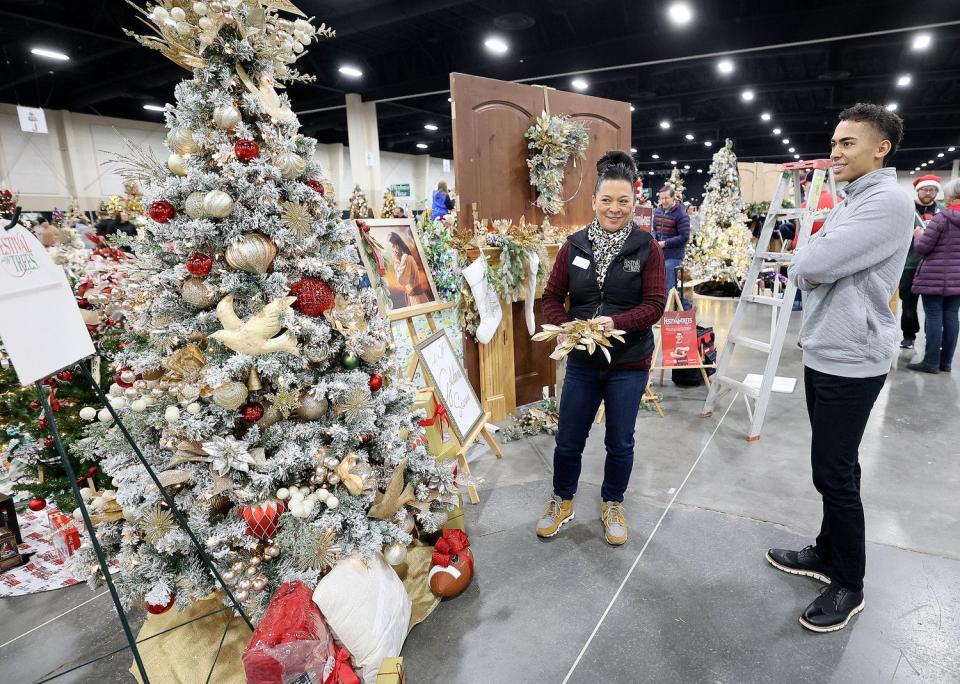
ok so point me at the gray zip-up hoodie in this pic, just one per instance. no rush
(849, 271)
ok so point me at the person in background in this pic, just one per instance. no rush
(87, 234)
(937, 281)
(613, 275)
(671, 230)
(848, 271)
(926, 205)
(119, 224)
(442, 202)
(47, 233)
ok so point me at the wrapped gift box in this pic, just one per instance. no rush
(455, 519)
(65, 536)
(433, 425)
(391, 671)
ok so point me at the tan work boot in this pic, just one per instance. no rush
(558, 512)
(614, 522)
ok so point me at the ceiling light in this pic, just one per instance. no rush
(422, 146)
(921, 41)
(654, 156)
(689, 136)
(951, 149)
(707, 143)
(632, 108)
(777, 131)
(49, 54)
(916, 168)
(673, 161)
(924, 164)
(351, 71)
(699, 170)
(786, 141)
(496, 45)
(940, 155)
(792, 150)
(649, 173)
(747, 95)
(929, 161)
(725, 66)
(892, 107)
(449, 99)
(680, 13)
(796, 156)
(579, 84)
(664, 124)
(912, 172)
(633, 150)
(904, 80)
(154, 108)
(765, 116)
(430, 127)
(686, 166)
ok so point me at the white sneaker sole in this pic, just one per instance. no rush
(559, 527)
(833, 628)
(791, 571)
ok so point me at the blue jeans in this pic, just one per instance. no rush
(940, 327)
(584, 387)
(672, 265)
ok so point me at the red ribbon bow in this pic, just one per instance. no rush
(452, 543)
(342, 671)
(374, 246)
(439, 413)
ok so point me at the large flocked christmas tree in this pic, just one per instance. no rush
(722, 248)
(264, 390)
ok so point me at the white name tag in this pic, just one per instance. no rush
(581, 262)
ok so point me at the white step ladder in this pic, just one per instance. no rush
(781, 304)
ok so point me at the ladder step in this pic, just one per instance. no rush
(790, 213)
(760, 299)
(781, 257)
(751, 343)
(738, 386)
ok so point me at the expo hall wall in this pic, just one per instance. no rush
(71, 160)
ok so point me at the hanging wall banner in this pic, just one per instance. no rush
(32, 119)
(678, 331)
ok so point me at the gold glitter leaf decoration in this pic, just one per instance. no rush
(324, 553)
(156, 524)
(355, 403)
(284, 401)
(298, 218)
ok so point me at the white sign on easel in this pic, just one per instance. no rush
(40, 322)
(453, 388)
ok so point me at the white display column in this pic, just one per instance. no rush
(422, 191)
(364, 142)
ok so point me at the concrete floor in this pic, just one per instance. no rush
(690, 597)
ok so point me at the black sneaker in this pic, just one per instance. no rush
(923, 368)
(907, 343)
(945, 369)
(805, 562)
(832, 610)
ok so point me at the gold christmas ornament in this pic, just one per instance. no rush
(253, 253)
(284, 401)
(255, 336)
(194, 205)
(220, 505)
(230, 395)
(217, 204)
(177, 165)
(291, 165)
(312, 408)
(373, 351)
(298, 219)
(271, 416)
(196, 292)
(395, 553)
(226, 117)
(181, 140)
(253, 380)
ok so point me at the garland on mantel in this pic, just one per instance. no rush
(553, 140)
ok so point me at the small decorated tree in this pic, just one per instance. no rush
(389, 204)
(359, 208)
(721, 249)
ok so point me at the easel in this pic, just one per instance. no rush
(675, 304)
(414, 363)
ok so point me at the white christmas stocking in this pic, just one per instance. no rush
(488, 303)
(534, 264)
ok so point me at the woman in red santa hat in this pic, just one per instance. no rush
(926, 205)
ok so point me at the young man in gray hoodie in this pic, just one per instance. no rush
(849, 271)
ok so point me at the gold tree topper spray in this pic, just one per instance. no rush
(582, 335)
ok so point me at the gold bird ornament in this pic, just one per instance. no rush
(255, 336)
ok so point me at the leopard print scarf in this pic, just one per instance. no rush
(606, 246)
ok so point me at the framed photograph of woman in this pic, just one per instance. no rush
(393, 257)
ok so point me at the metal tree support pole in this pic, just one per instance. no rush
(104, 566)
(163, 493)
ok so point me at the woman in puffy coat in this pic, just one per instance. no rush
(938, 283)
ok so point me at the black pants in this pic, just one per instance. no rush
(839, 408)
(909, 321)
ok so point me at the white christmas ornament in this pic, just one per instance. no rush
(115, 390)
(291, 165)
(177, 14)
(177, 165)
(217, 204)
(139, 405)
(395, 553)
(283, 493)
(193, 408)
(172, 414)
(200, 8)
(88, 413)
(332, 502)
(226, 117)
(103, 415)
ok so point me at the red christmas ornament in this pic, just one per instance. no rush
(51, 382)
(117, 379)
(246, 149)
(55, 405)
(48, 442)
(199, 264)
(43, 423)
(34, 404)
(376, 382)
(262, 519)
(252, 411)
(83, 303)
(366, 439)
(161, 211)
(316, 185)
(313, 296)
(37, 504)
(65, 375)
(156, 609)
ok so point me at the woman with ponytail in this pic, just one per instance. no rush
(613, 274)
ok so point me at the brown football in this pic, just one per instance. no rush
(450, 581)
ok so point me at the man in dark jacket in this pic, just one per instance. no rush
(671, 229)
(926, 205)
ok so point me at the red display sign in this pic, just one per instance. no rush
(678, 331)
(643, 217)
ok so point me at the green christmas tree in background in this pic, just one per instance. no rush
(721, 250)
(359, 207)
